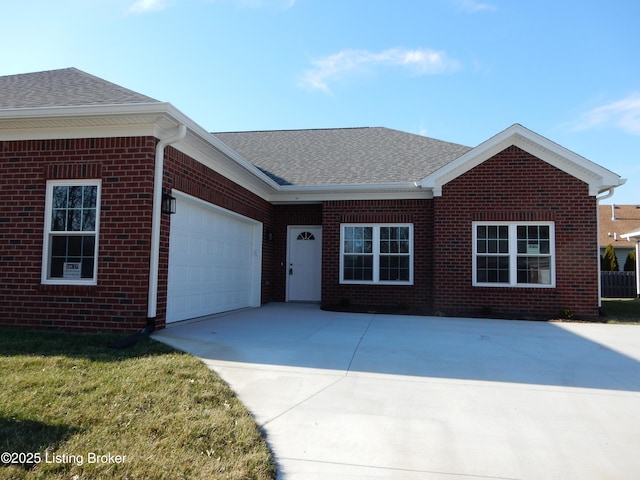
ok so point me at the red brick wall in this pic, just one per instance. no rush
(416, 297)
(511, 186)
(189, 176)
(285, 215)
(119, 301)
(515, 186)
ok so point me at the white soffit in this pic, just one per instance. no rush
(160, 120)
(102, 121)
(598, 178)
(155, 119)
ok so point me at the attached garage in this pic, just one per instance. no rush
(215, 259)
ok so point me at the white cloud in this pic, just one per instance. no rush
(346, 62)
(623, 114)
(145, 6)
(473, 6)
(258, 4)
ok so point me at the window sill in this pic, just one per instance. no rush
(67, 287)
(518, 285)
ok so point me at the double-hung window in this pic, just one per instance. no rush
(71, 232)
(376, 254)
(514, 254)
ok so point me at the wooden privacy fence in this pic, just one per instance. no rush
(618, 284)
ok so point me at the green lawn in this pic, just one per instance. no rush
(625, 310)
(76, 409)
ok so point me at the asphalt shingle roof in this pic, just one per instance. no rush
(290, 157)
(627, 220)
(64, 87)
(372, 155)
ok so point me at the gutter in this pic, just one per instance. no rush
(155, 223)
(349, 191)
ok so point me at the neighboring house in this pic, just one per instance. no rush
(363, 216)
(615, 221)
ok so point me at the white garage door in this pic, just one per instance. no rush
(214, 260)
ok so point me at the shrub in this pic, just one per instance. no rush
(630, 263)
(566, 313)
(610, 261)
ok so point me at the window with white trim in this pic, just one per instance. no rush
(381, 253)
(514, 254)
(70, 251)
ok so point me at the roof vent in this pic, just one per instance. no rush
(613, 212)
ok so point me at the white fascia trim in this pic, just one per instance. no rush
(320, 193)
(83, 110)
(158, 119)
(99, 121)
(598, 178)
(161, 119)
(212, 152)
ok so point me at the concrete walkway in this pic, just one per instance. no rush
(361, 396)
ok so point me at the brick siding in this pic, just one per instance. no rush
(192, 177)
(512, 186)
(516, 186)
(286, 215)
(417, 297)
(119, 301)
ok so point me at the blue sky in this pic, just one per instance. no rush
(456, 70)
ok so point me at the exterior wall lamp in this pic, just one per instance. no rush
(168, 203)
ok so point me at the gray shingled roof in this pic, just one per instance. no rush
(65, 87)
(342, 156)
(290, 157)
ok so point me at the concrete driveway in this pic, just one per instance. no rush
(362, 396)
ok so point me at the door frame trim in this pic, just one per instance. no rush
(288, 261)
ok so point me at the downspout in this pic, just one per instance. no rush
(155, 224)
(609, 194)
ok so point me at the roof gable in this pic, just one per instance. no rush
(281, 166)
(598, 178)
(342, 156)
(65, 87)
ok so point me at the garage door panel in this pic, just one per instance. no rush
(214, 261)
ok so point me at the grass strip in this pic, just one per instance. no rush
(82, 410)
(624, 310)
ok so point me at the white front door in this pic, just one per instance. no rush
(304, 269)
